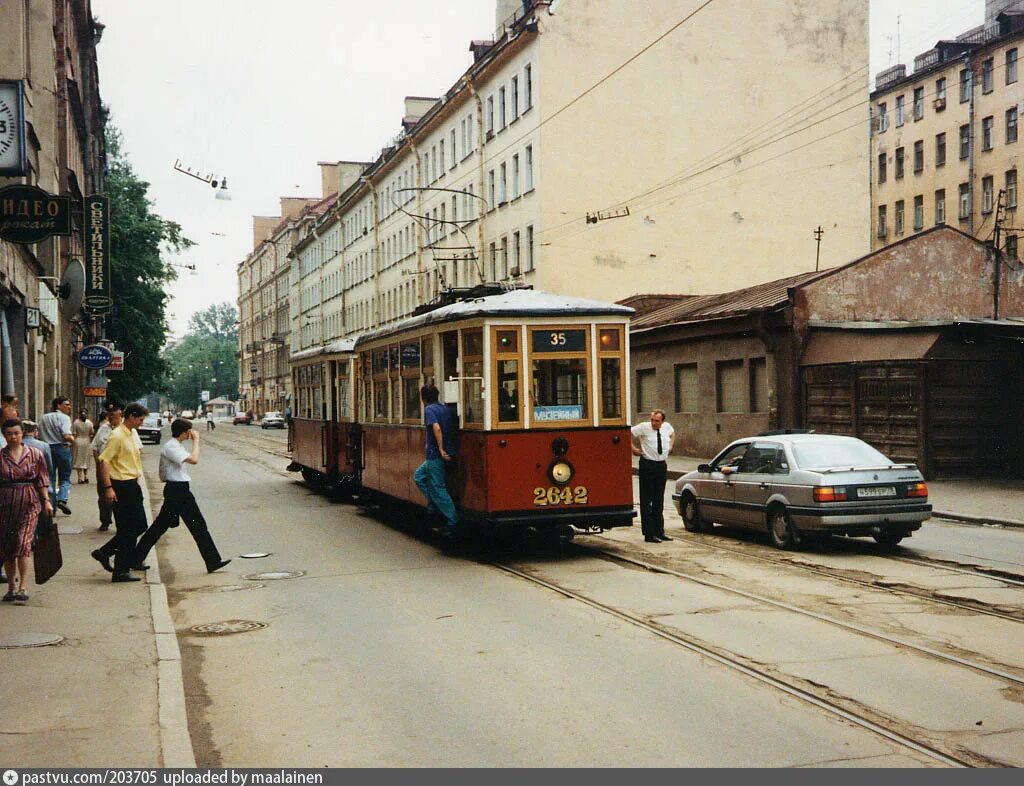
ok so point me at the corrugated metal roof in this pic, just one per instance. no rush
(763, 297)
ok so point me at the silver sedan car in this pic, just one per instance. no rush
(795, 484)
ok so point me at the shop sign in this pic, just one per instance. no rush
(29, 214)
(97, 255)
(117, 362)
(95, 356)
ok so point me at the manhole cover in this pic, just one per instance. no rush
(230, 587)
(68, 529)
(227, 627)
(11, 641)
(255, 555)
(275, 575)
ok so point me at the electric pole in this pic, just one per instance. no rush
(818, 233)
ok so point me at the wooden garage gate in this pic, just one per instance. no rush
(945, 416)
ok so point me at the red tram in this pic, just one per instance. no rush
(539, 383)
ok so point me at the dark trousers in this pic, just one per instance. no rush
(179, 502)
(106, 509)
(130, 516)
(653, 475)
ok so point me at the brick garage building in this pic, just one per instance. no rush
(917, 348)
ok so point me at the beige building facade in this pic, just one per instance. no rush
(51, 48)
(576, 157)
(945, 139)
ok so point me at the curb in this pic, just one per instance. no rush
(963, 518)
(175, 740)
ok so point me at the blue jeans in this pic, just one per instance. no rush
(429, 476)
(62, 467)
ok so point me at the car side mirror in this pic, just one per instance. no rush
(704, 468)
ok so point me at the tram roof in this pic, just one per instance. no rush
(514, 303)
(334, 348)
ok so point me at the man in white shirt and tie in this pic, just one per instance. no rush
(652, 442)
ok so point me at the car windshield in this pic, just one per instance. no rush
(837, 453)
(151, 420)
(272, 415)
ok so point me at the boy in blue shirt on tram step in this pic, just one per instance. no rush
(439, 450)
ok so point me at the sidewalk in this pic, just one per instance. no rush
(974, 501)
(109, 694)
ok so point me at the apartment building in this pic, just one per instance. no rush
(50, 48)
(554, 162)
(945, 141)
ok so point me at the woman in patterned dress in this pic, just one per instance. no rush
(24, 482)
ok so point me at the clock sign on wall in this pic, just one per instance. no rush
(13, 161)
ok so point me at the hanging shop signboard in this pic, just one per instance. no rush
(29, 214)
(95, 356)
(97, 254)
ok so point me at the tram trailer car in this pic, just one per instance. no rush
(541, 450)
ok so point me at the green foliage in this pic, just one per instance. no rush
(205, 358)
(139, 273)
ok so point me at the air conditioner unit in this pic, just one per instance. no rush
(939, 104)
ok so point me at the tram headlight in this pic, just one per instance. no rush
(561, 472)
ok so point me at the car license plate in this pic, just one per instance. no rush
(877, 491)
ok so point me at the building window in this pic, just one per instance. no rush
(918, 213)
(899, 111)
(528, 87)
(940, 207)
(940, 150)
(528, 173)
(918, 103)
(1011, 66)
(919, 156)
(1011, 188)
(899, 217)
(494, 261)
(515, 176)
(758, 372)
(469, 135)
(986, 75)
(1011, 125)
(503, 186)
(491, 204)
(517, 253)
(940, 94)
(987, 132)
(883, 229)
(881, 168)
(730, 390)
(529, 248)
(883, 118)
(501, 109)
(965, 85)
(515, 98)
(965, 142)
(455, 157)
(489, 118)
(504, 257)
(965, 201)
(687, 392)
(646, 390)
(1011, 247)
(986, 194)
(899, 163)
(440, 157)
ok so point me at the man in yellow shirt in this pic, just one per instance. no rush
(120, 469)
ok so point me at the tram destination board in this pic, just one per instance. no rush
(559, 340)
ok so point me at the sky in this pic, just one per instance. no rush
(258, 91)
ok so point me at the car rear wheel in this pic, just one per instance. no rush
(781, 531)
(693, 521)
(888, 540)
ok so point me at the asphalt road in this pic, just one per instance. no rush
(387, 652)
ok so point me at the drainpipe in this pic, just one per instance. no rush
(478, 199)
(6, 358)
(376, 251)
(970, 146)
(421, 291)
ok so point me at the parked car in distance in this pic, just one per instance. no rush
(799, 485)
(272, 420)
(151, 429)
(241, 419)
(188, 414)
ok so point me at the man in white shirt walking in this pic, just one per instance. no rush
(178, 498)
(55, 430)
(652, 442)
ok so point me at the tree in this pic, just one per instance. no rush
(205, 358)
(138, 239)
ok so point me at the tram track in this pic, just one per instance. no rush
(895, 587)
(817, 696)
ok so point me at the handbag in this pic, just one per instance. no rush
(46, 556)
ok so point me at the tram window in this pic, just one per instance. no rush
(473, 343)
(380, 400)
(411, 397)
(393, 352)
(396, 398)
(473, 391)
(609, 340)
(508, 391)
(410, 356)
(380, 361)
(318, 400)
(344, 403)
(449, 355)
(508, 341)
(611, 386)
(427, 353)
(560, 390)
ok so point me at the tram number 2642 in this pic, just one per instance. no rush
(545, 497)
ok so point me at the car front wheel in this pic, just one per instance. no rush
(693, 521)
(781, 531)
